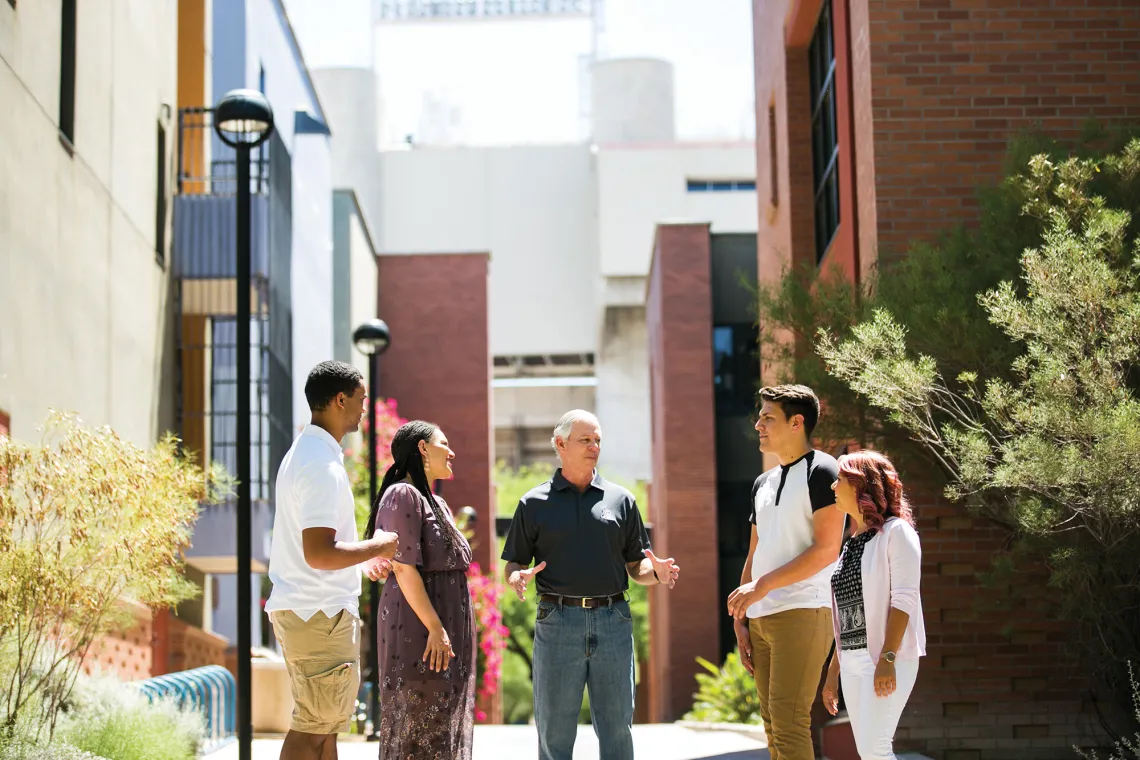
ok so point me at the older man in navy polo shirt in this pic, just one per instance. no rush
(588, 539)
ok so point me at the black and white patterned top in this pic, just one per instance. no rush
(847, 583)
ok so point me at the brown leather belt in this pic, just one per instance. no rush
(589, 602)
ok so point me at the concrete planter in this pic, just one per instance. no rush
(272, 706)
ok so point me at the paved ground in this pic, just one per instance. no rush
(656, 742)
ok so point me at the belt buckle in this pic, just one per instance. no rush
(584, 600)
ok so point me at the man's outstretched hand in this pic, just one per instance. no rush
(520, 578)
(666, 570)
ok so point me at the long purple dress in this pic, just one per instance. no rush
(425, 715)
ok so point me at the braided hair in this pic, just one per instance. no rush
(407, 461)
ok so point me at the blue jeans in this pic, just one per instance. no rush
(576, 648)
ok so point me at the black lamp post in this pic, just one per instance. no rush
(371, 339)
(243, 120)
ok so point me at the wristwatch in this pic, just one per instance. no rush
(889, 657)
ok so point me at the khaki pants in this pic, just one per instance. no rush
(788, 652)
(322, 655)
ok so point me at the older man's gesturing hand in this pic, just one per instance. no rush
(519, 579)
(666, 570)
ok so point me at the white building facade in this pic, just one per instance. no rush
(570, 231)
(86, 142)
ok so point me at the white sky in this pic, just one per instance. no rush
(517, 81)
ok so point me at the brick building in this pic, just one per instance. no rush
(876, 122)
(438, 368)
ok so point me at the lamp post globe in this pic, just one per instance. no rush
(371, 338)
(243, 118)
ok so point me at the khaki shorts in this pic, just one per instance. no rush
(322, 655)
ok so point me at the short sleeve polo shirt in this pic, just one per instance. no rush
(586, 538)
(783, 502)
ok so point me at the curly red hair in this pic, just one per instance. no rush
(877, 487)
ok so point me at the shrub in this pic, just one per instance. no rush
(116, 721)
(89, 520)
(486, 591)
(23, 750)
(726, 694)
(1046, 446)
(1124, 748)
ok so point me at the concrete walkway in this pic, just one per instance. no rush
(654, 742)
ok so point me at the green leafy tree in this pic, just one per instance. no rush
(1046, 444)
(932, 289)
(89, 520)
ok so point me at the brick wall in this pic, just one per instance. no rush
(997, 683)
(191, 647)
(685, 620)
(125, 653)
(953, 80)
(786, 227)
(438, 368)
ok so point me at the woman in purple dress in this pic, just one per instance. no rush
(426, 647)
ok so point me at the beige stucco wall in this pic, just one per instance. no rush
(85, 323)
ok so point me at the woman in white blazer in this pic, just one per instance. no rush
(875, 604)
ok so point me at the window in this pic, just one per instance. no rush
(721, 186)
(773, 157)
(735, 365)
(160, 198)
(824, 135)
(67, 71)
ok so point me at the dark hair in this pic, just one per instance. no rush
(328, 379)
(877, 488)
(406, 461)
(793, 400)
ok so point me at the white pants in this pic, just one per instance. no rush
(873, 718)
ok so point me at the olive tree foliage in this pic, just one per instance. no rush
(1047, 443)
(88, 521)
(932, 288)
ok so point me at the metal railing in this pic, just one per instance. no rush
(211, 691)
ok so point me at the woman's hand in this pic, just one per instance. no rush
(884, 678)
(439, 652)
(831, 692)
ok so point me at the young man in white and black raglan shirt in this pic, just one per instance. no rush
(782, 608)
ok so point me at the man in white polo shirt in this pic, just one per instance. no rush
(782, 609)
(314, 564)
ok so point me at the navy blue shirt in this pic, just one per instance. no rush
(585, 538)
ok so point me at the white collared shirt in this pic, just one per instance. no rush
(313, 491)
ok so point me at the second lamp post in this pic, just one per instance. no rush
(371, 339)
